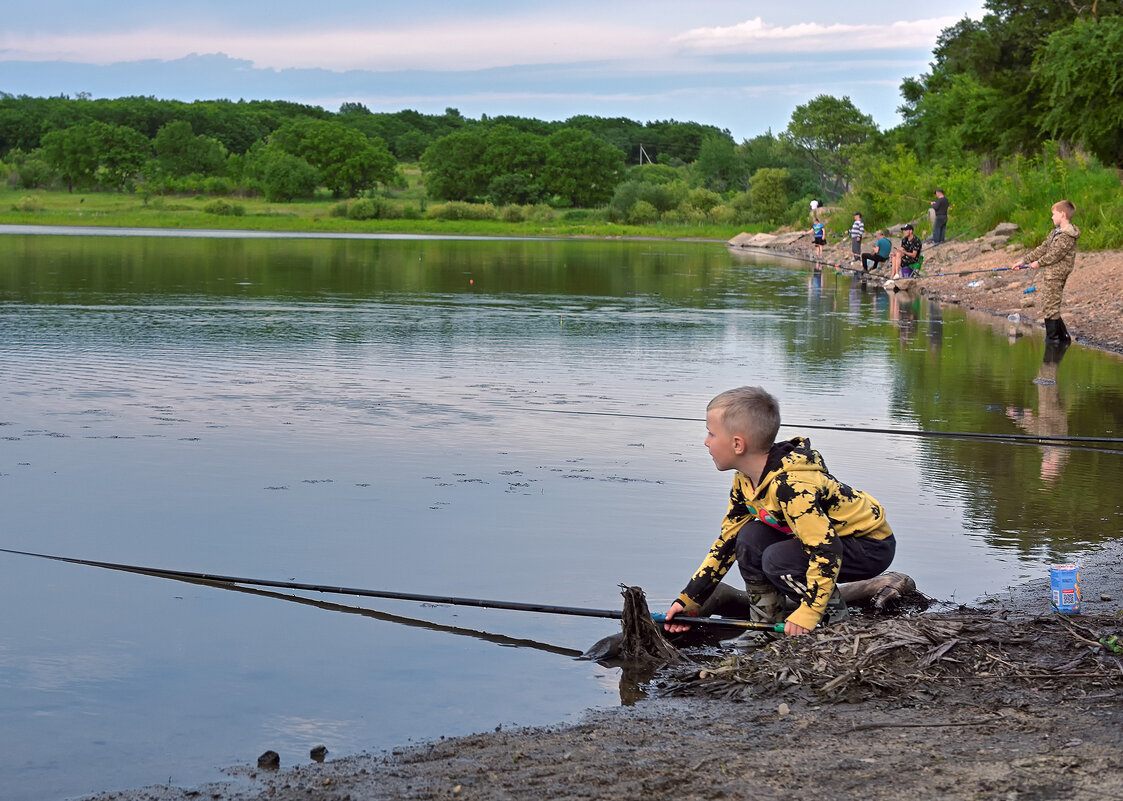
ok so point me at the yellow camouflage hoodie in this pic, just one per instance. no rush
(798, 496)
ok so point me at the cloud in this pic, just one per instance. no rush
(757, 36)
(464, 45)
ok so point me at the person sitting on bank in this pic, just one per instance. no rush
(792, 528)
(907, 255)
(882, 249)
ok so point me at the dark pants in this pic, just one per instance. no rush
(876, 258)
(939, 226)
(765, 554)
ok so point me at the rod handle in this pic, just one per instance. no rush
(658, 617)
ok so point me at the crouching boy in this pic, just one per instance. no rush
(793, 529)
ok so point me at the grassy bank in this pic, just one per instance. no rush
(45, 207)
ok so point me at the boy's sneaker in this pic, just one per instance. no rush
(836, 611)
(750, 639)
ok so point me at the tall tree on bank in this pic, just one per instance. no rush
(985, 92)
(1080, 70)
(828, 132)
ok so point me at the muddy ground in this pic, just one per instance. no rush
(1015, 703)
(1004, 700)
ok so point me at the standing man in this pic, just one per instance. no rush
(857, 230)
(939, 226)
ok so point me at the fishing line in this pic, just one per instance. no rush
(1019, 438)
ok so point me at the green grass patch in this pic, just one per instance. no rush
(322, 214)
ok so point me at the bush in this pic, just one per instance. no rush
(363, 209)
(224, 207)
(34, 174)
(513, 213)
(28, 203)
(643, 212)
(411, 213)
(702, 199)
(459, 210)
(218, 185)
(338, 210)
(541, 212)
(662, 197)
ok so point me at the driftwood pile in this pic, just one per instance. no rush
(919, 657)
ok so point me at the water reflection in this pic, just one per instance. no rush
(1050, 418)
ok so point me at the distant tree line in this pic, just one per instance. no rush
(1016, 104)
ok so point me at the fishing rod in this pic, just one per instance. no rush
(1032, 438)
(386, 617)
(974, 272)
(782, 254)
(185, 575)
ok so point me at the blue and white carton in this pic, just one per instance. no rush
(1064, 580)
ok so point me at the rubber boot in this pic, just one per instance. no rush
(1062, 331)
(765, 606)
(1057, 332)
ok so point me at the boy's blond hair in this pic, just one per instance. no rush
(750, 412)
(1065, 207)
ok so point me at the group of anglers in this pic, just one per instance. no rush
(793, 529)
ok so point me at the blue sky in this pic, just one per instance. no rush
(738, 65)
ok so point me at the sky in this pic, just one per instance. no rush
(742, 66)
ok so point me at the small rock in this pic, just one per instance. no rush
(318, 753)
(783, 710)
(1104, 596)
(270, 760)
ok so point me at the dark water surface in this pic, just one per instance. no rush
(391, 414)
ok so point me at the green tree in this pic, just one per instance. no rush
(454, 166)
(769, 193)
(719, 166)
(282, 176)
(347, 160)
(1081, 70)
(71, 154)
(828, 131)
(580, 168)
(121, 152)
(180, 152)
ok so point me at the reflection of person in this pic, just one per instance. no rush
(940, 224)
(907, 255)
(791, 527)
(902, 311)
(1057, 254)
(880, 253)
(856, 232)
(1051, 419)
(819, 237)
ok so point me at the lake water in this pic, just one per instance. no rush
(513, 420)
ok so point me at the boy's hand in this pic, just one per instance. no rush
(794, 630)
(673, 610)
